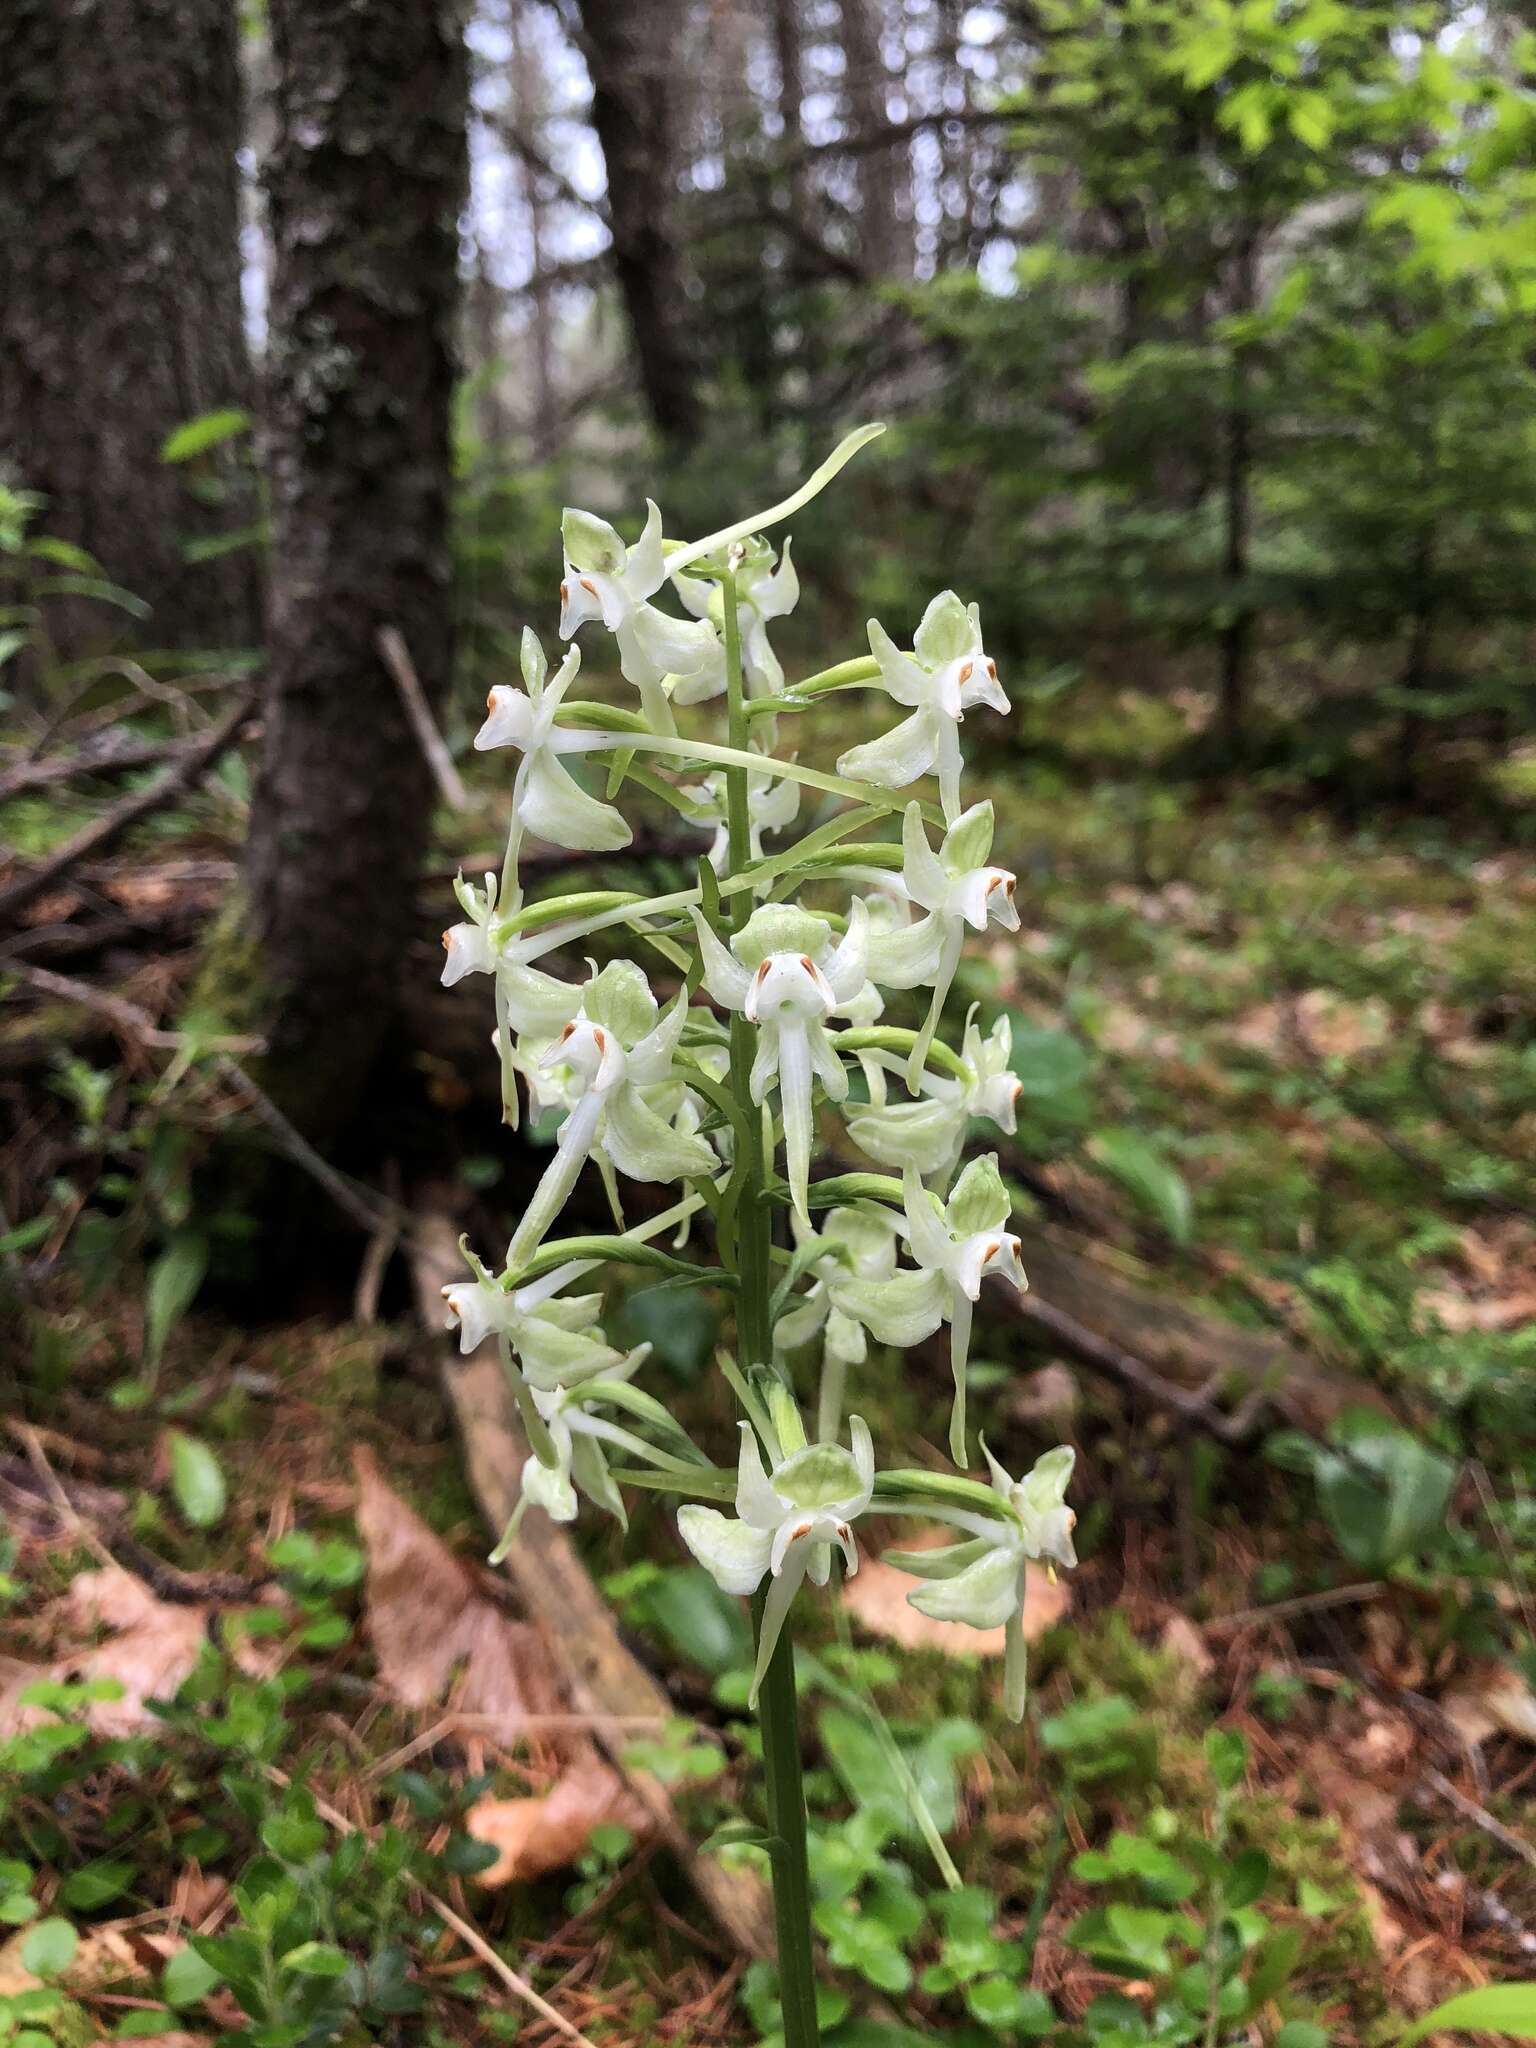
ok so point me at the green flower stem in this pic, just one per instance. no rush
(777, 1708)
(778, 1712)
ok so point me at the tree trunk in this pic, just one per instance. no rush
(1236, 637)
(634, 58)
(884, 245)
(365, 184)
(120, 313)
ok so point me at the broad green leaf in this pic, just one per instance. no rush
(48, 1949)
(1494, 2009)
(197, 1480)
(174, 1279)
(192, 437)
(187, 1978)
(1143, 1172)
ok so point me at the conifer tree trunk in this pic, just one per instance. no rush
(633, 55)
(365, 182)
(120, 313)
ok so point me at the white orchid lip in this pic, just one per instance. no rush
(788, 984)
(591, 1052)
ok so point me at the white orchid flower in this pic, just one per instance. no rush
(763, 592)
(955, 1244)
(604, 579)
(773, 802)
(956, 889)
(947, 673)
(527, 1000)
(554, 1339)
(860, 1245)
(787, 1525)
(786, 974)
(930, 1132)
(546, 799)
(577, 1434)
(615, 1047)
(982, 1582)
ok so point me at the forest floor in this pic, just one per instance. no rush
(286, 1763)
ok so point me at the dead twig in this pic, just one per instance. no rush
(1194, 1404)
(112, 824)
(1480, 1817)
(471, 1937)
(1289, 1610)
(396, 657)
(127, 1017)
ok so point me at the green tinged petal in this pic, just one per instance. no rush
(591, 543)
(620, 1000)
(535, 663)
(944, 1563)
(980, 1201)
(733, 1553)
(968, 841)
(818, 1477)
(900, 1311)
(985, 1595)
(895, 759)
(780, 928)
(946, 632)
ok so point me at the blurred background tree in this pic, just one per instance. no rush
(1203, 330)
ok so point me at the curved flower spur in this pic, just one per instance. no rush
(796, 952)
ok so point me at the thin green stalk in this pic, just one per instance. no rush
(777, 1707)
(778, 1712)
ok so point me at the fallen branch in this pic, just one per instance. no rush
(102, 832)
(115, 752)
(1175, 1355)
(556, 1591)
(396, 657)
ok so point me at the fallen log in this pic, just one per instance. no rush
(1215, 1372)
(102, 832)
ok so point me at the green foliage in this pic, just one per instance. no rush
(1383, 1493)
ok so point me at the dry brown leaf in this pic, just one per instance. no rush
(532, 1836)
(876, 1598)
(1047, 1397)
(1493, 1699)
(150, 1647)
(428, 1613)
(1182, 1640)
(1458, 1311)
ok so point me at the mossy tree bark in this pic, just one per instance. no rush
(365, 183)
(120, 313)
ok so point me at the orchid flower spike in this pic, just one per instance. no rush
(604, 579)
(773, 802)
(954, 1244)
(947, 674)
(546, 799)
(615, 1046)
(763, 592)
(787, 1524)
(929, 1133)
(982, 1582)
(787, 975)
(956, 889)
